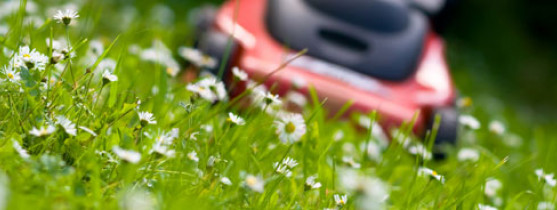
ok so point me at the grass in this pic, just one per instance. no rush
(81, 169)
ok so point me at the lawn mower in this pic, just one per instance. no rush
(382, 55)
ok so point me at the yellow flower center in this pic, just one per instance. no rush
(251, 181)
(26, 55)
(290, 127)
(434, 173)
(10, 75)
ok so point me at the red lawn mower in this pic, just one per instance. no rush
(383, 55)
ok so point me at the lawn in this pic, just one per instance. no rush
(95, 113)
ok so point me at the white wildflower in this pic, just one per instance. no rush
(197, 58)
(109, 77)
(296, 98)
(66, 124)
(469, 121)
(22, 152)
(42, 131)
(468, 154)
(492, 186)
(31, 59)
(127, 155)
(66, 16)
(373, 190)
(351, 162)
(311, 183)
(545, 205)
(146, 118)
(239, 74)
(255, 183)
(290, 127)
(486, 207)
(546, 178)
(209, 89)
(235, 119)
(497, 127)
(193, 156)
(225, 181)
(12, 75)
(426, 172)
(162, 149)
(340, 200)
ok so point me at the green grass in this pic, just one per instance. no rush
(82, 171)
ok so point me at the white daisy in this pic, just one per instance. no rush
(197, 58)
(492, 186)
(235, 119)
(486, 207)
(66, 16)
(351, 162)
(340, 200)
(12, 75)
(22, 152)
(31, 59)
(163, 150)
(546, 178)
(545, 205)
(68, 126)
(255, 183)
(468, 154)
(146, 118)
(311, 183)
(225, 181)
(426, 172)
(497, 127)
(209, 89)
(296, 98)
(109, 77)
(42, 131)
(290, 162)
(239, 74)
(282, 169)
(193, 156)
(420, 150)
(290, 127)
(160, 54)
(271, 99)
(469, 121)
(127, 155)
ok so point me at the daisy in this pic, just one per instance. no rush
(65, 17)
(12, 75)
(109, 77)
(239, 74)
(290, 127)
(311, 183)
(160, 54)
(22, 152)
(290, 162)
(486, 207)
(193, 156)
(545, 205)
(282, 169)
(67, 125)
(225, 181)
(30, 59)
(235, 119)
(255, 183)
(496, 127)
(431, 173)
(197, 58)
(209, 89)
(492, 186)
(146, 118)
(546, 178)
(350, 161)
(127, 155)
(468, 154)
(419, 150)
(163, 150)
(469, 121)
(43, 131)
(340, 200)
(270, 99)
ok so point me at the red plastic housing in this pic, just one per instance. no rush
(429, 87)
